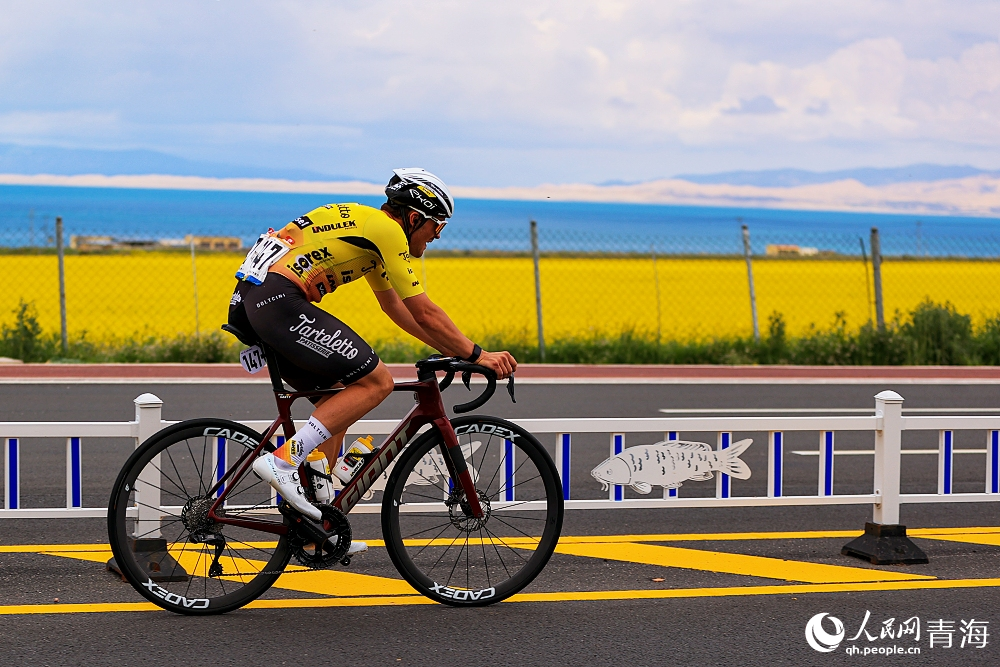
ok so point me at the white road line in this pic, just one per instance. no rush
(871, 452)
(874, 382)
(749, 411)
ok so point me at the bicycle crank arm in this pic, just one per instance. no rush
(302, 525)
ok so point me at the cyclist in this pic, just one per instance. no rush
(290, 269)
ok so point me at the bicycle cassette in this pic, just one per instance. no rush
(333, 549)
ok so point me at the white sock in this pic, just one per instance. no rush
(306, 439)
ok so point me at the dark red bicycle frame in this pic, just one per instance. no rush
(429, 409)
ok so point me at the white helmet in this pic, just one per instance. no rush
(421, 191)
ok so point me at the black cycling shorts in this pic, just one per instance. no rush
(315, 350)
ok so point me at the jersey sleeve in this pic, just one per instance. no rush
(397, 273)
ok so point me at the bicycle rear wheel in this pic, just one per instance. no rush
(434, 541)
(161, 537)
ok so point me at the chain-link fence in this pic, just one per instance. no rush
(661, 287)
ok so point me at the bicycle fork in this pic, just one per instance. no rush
(457, 467)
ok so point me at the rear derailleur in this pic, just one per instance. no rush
(217, 540)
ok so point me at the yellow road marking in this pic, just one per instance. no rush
(93, 556)
(343, 584)
(735, 591)
(992, 539)
(14, 609)
(349, 584)
(569, 596)
(585, 539)
(38, 548)
(953, 531)
(715, 561)
(353, 589)
(295, 578)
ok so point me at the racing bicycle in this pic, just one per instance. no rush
(471, 507)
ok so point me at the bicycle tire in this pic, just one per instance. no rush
(155, 573)
(410, 524)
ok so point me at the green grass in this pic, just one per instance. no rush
(932, 334)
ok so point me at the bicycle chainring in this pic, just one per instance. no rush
(333, 550)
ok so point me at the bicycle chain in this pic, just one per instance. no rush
(342, 530)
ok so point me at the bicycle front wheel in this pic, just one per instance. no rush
(436, 543)
(163, 542)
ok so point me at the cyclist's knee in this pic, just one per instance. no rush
(379, 380)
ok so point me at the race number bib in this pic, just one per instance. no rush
(264, 253)
(253, 359)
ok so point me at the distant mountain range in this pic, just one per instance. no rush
(785, 178)
(29, 160)
(74, 161)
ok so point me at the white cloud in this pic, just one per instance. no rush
(57, 126)
(516, 91)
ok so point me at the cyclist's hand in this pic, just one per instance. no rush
(501, 363)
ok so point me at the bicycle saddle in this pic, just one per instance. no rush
(247, 340)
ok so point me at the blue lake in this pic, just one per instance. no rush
(27, 214)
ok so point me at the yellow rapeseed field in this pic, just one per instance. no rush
(152, 293)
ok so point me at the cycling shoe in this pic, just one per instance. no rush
(285, 482)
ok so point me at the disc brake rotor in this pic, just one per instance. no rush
(460, 512)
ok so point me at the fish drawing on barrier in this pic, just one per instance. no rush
(669, 464)
(427, 472)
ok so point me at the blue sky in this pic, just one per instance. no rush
(509, 93)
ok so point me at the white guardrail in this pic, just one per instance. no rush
(887, 423)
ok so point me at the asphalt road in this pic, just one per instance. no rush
(730, 628)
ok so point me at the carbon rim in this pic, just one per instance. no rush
(452, 556)
(167, 549)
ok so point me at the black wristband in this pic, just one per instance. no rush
(476, 353)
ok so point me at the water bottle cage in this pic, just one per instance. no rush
(358, 461)
(316, 474)
(354, 458)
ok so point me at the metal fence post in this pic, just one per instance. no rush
(868, 280)
(877, 271)
(62, 283)
(194, 280)
(538, 291)
(148, 415)
(656, 282)
(753, 292)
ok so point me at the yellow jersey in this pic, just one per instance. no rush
(337, 244)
